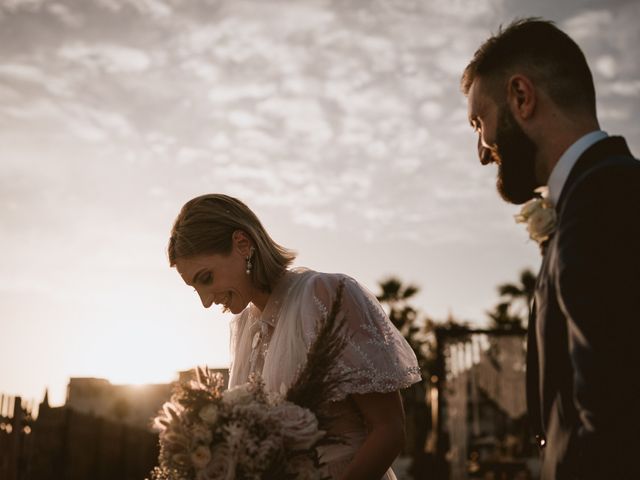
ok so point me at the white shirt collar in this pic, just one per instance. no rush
(561, 171)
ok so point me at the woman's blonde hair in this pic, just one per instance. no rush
(205, 225)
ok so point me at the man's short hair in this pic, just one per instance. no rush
(542, 51)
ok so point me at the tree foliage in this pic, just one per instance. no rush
(514, 307)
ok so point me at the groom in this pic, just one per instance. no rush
(532, 103)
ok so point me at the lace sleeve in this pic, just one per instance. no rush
(377, 357)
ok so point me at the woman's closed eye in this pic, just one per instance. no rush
(205, 278)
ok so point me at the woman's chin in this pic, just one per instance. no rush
(235, 309)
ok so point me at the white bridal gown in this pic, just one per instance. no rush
(275, 343)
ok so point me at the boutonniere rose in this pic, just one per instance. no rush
(539, 214)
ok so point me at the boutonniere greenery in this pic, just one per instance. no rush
(539, 214)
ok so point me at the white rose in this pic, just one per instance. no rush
(209, 414)
(541, 224)
(529, 208)
(237, 395)
(298, 426)
(201, 457)
(540, 216)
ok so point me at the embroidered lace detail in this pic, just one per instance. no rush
(377, 357)
(371, 380)
(322, 308)
(378, 325)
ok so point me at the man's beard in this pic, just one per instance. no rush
(516, 155)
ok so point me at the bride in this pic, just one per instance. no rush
(220, 248)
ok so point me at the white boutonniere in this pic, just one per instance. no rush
(540, 216)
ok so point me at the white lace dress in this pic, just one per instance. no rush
(275, 343)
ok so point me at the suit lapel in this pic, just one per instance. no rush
(533, 376)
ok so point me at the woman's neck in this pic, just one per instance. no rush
(261, 298)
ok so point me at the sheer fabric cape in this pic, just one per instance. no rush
(377, 357)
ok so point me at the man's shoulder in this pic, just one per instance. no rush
(610, 173)
(617, 160)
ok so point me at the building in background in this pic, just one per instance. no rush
(133, 405)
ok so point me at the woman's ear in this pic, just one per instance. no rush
(241, 242)
(521, 96)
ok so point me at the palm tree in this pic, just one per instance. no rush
(396, 296)
(515, 296)
(502, 317)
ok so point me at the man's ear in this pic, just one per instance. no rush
(521, 96)
(241, 242)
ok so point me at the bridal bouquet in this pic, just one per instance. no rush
(246, 433)
(242, 433)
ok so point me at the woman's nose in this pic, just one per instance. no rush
(206, 299)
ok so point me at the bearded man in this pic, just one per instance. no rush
(532, 102)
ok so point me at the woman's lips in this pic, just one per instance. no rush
(225, 302)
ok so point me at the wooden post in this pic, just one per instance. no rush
(14, 445)
(441, 471)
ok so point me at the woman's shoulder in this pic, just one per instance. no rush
(323, 283)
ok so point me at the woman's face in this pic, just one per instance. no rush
(219, 279)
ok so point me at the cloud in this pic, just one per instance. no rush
(607, 66)
(586, 25)
(226, 93)
(16, 5)
(319, 220)
(8, 95)
(152, 8)
(66, 15)
(111, 58)
(290, 103)
(624, 88)
(22, 73)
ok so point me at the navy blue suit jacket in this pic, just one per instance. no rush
(583, 365)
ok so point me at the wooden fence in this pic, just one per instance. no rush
(16, 437)
(63, 444)
(453, 455)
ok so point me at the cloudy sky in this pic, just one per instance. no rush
(340, 123)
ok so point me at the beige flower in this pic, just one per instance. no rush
(201, 457)
(175, 438)
(209, 414)
(201, 434)
(540, 216)
(238, 395)
(236, 432)
(298, 426)
(181, 459)
(222, 465)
